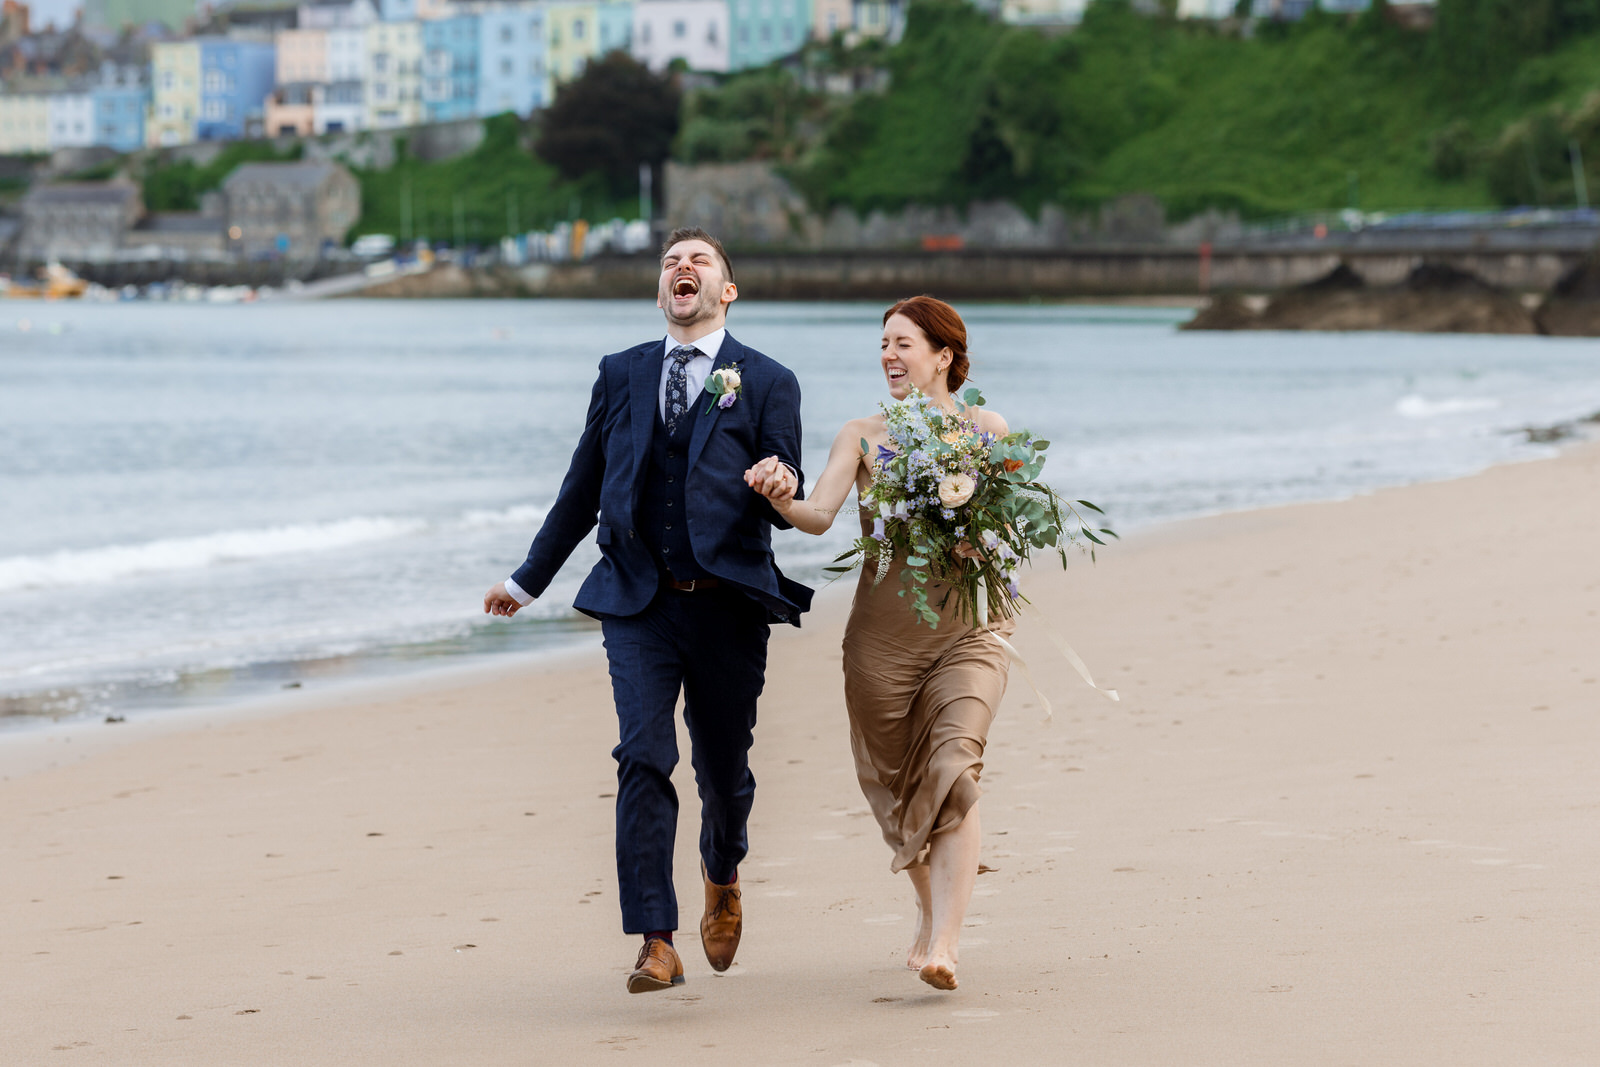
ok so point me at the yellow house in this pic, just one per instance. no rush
(24, 123)
(573, 38)
(393, 82)
(174, 93)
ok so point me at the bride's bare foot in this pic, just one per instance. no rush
(939, 972)
(917, 955)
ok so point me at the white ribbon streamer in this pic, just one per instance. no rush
(1016, 657)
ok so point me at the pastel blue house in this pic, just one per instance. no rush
(763, 30)
(616, 26)
(397, 10)
(119, 116)
(235, 78)
(450, 53)
(513, 58)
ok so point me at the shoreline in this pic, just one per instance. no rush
(31, 744)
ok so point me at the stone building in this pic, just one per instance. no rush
(293, 210)
(77, 221)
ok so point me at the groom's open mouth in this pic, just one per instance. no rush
(685, 287)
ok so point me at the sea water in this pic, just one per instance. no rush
(199, 502)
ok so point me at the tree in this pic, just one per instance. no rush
(609, 120)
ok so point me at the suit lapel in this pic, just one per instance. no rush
(644, 387)
(730, 355)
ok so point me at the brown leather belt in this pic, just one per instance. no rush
(693, 586)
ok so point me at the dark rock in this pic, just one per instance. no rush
(1434, 298)
(1573, 307)
(1227, 311)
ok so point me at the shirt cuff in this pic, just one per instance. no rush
(517, 594)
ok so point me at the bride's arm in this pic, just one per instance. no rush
(814, 514)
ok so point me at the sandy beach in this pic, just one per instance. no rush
(1345, 814)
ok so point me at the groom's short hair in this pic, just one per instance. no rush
(695, 233)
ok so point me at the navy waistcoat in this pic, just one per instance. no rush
(661, 515)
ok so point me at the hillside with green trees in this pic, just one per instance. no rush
(1321, 114)
(1490, 108)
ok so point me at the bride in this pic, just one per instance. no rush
(920, 700)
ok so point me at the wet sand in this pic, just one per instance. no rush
(1344, 814)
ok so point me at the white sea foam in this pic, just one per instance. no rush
(1420, 407)
(111, 562)
(96, 565)
(528, 515)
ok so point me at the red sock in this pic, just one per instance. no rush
(665, 935)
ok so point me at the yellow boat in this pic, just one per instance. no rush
(55, 283)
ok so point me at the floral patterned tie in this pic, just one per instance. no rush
(678, 385)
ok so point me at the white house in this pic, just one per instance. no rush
(695, 31)
(71, 117)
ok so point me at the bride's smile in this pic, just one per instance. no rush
(909, 358)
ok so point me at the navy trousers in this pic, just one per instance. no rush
(710, 645)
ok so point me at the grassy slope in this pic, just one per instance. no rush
(497, 182)
(1277, 124)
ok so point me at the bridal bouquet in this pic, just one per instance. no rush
(941, 484)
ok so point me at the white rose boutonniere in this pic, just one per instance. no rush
(723, 385)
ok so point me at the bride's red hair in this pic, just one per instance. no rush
(942, 326)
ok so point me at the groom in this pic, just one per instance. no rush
(685, 586)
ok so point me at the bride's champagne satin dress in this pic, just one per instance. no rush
(920, 702)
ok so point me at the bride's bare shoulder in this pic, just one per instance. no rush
(992, 422)
(869, 426)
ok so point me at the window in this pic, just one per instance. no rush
(833, 22)
(766, 38)
(216, 81)
(711, 33)
(788, 32)
(505, 38)
(577, 35)
(680, 29)
(644, 33)
(505, 71)
(380, 65)
(168, 80)
(744, 34)
(215, 111)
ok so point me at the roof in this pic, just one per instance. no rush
(82, 193)
(292, 175)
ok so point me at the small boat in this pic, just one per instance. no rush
(55, 283)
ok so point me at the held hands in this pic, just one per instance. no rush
(499, 602)
(773, 480)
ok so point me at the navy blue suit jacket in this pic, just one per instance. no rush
(730, 525)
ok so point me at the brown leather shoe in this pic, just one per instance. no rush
(658, 968)
(722, 922)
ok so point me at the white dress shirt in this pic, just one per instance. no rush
(697, 370)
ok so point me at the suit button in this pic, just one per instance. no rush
(672, 455)
(669, 525)
(669, 503)
(630, 535)
(666, 551)
(669, 479)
